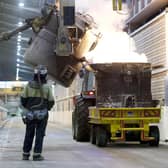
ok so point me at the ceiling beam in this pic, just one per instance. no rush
(11, 17)
(17, 12)
(24, 66)
(11, 7)
(8, 24)
(25, 71)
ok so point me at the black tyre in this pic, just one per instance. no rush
(81, 125)
(101, 136)
(73, 125)
(92, 134)
(143, 142)
(154, 132)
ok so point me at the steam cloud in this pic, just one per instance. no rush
(115, 45)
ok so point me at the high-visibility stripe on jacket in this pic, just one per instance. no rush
(31, 97)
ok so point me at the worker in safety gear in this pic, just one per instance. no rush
(37, 99)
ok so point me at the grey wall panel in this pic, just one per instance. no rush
(151, 39)
(158, 86)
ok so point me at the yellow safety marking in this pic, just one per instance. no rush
(127, 109)
(115, 138)
(131, 129)
(117, 4)
(140, 118)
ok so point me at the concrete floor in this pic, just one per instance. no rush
(61, 151)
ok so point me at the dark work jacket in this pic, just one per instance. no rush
(31, 98)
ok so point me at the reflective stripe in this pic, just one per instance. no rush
(24, 153)
(32, 96)
(32, 92)
(36, 154)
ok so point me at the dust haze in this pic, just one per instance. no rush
(115, 44)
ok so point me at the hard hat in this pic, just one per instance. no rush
(40, 69)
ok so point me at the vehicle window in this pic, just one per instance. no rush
(91, 81)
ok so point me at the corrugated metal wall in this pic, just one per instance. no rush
(158, 85)
(150, 39)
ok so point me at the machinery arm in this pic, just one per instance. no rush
(61, 42)
(8, 35)
(35, 23)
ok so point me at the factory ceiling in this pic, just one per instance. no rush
(12, 15)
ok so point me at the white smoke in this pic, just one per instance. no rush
(101, 11)
(115, 45)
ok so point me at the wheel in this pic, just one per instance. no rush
(73, 125)
(101, 136)
(143, 142)
(81, 125)
(92, 134)
(154, 132)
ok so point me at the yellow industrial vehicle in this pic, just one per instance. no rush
(116, 105)
(123, 107)
(120, 122)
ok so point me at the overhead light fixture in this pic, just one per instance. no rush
(20, 23)
(19, 46)
(19, 36)
(18, 60)
(20, 55)
(17, 74)
(21, 4)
